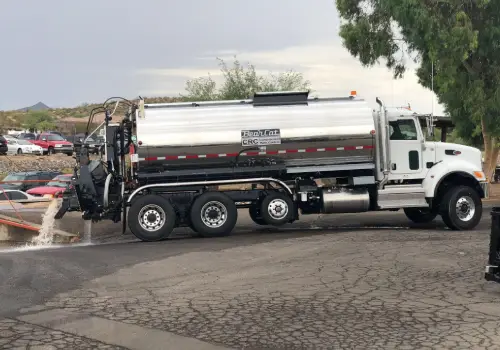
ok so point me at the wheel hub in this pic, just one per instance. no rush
(214, 214)
(278, 208)
(465, 208)
(152, 217)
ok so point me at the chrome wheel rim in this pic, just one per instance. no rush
(214, 214)
(465, 208)
(277, 209)
(152, 217)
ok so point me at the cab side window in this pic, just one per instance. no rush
(403, 129)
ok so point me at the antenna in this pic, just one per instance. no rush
(431, 123)
(432, 87)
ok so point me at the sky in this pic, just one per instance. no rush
(65, 53)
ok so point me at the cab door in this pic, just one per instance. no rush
(405, 148)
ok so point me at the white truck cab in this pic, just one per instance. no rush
(431, 178)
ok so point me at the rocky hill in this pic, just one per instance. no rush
(65, 116)
(40, 106)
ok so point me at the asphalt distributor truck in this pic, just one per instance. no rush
(184, 164)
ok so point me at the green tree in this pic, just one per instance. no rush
(455, 41)
(240, 82)
(39, 121)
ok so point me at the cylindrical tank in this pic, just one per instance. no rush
(323, 132)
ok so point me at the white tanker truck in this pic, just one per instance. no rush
(296, 155)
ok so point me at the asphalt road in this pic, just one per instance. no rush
(360, 281)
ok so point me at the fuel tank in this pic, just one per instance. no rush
(217, 134)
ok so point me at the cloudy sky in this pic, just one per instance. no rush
(64, 53)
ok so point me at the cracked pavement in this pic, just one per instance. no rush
(333, 282)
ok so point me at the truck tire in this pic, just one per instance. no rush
(276, 209)
(213, 214)
(255, 216)
(461, 208)
(50, 151)
(420, 215)
(151, 218)
(19, 151)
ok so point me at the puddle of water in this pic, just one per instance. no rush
(28, 247)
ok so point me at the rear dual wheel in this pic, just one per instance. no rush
(151, 218)
(213, 214)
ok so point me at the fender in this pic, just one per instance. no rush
(441, 170)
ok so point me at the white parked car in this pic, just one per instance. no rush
(19, 196)
(16, 146)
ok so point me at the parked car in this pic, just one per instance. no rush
(54, 144)
(27, 136)
(3, 146)
(94, 144)
(16, 146)
(54, 188)
(18, 196)
(14, 181)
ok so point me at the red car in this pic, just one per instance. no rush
(53, 143)
(54, 188)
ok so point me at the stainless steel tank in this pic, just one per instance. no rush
(323, 132)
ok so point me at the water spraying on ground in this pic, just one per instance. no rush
(87, 232)
(46, 233)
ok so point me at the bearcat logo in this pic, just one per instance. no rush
(260, 137)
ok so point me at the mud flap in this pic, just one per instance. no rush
(124, 219)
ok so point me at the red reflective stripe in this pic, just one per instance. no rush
(256, 153)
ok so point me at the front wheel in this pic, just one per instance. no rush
(213, 214)
(19, 151)
(420, 215)
(461, 208)
(50, 151)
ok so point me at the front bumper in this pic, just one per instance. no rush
(66, 150)
(486, 189)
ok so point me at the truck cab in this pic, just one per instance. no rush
(425, 175)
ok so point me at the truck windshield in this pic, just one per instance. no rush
(53, 137)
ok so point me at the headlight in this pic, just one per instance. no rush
(58, 146)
